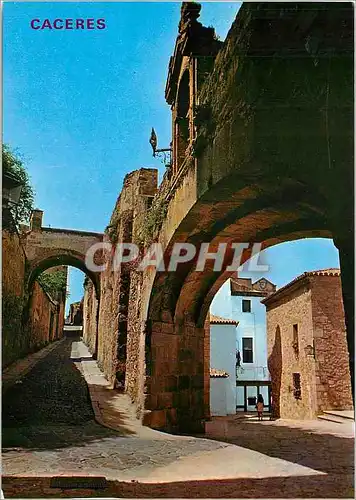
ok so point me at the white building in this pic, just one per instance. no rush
(222, 366)
(240, 300)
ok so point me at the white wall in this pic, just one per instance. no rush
(223, 357)
(218, 400)
(252, 324)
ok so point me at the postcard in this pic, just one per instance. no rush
(178, 249)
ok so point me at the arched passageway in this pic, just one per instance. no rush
(75, 260)
(61, 258)
(292, 338)
(176, 332)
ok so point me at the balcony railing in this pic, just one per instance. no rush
(252, 373)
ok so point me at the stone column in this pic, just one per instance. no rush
(207, 367)
(175, 382)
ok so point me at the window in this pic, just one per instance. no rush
(296, 386)
(295, 343)
(247, 350)
(246, 306)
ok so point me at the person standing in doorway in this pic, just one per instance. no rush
(259, 407)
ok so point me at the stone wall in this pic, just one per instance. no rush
(282, 358)
(46, 319)
(14, 341)
(120, 291)
(45, 316)
(333, 385)
(314, 305)
(175, 376)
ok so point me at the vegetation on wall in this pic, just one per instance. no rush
(14, 167)
(154, 219)
(112, 229)
(12, 307)
(15, 338)
(86, 281)
(54, 283)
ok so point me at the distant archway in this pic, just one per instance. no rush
(62, 258)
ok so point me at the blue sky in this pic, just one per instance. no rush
(79, 107)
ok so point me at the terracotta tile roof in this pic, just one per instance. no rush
(331, 271)
(214, 373)
(218, 320)
(243, 287)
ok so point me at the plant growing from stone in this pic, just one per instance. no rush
(54, 283)
(154, 219)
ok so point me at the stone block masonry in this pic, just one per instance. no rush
(120, 298)
(307, 341)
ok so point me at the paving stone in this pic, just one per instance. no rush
(56, 434)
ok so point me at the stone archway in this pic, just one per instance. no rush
(61, 257)
(270, 160)
(176, 362)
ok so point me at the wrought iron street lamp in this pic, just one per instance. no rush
(165, 152)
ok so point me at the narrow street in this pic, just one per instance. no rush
(48, 426)
(49, 430)
(51, 406)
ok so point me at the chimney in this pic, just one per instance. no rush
(36, 220)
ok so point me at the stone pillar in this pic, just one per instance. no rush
(36, 220)
(175, 382)
(347, 265)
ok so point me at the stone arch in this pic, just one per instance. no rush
(269, 162)
(179, 301)
(61, 257)
(56, 258)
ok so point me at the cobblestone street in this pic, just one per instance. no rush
(49, 429)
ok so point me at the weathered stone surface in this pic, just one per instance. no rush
(314, 304)
(262, 151)
(47, 247)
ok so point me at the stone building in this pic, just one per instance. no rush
(75, 315)
(307, 349)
